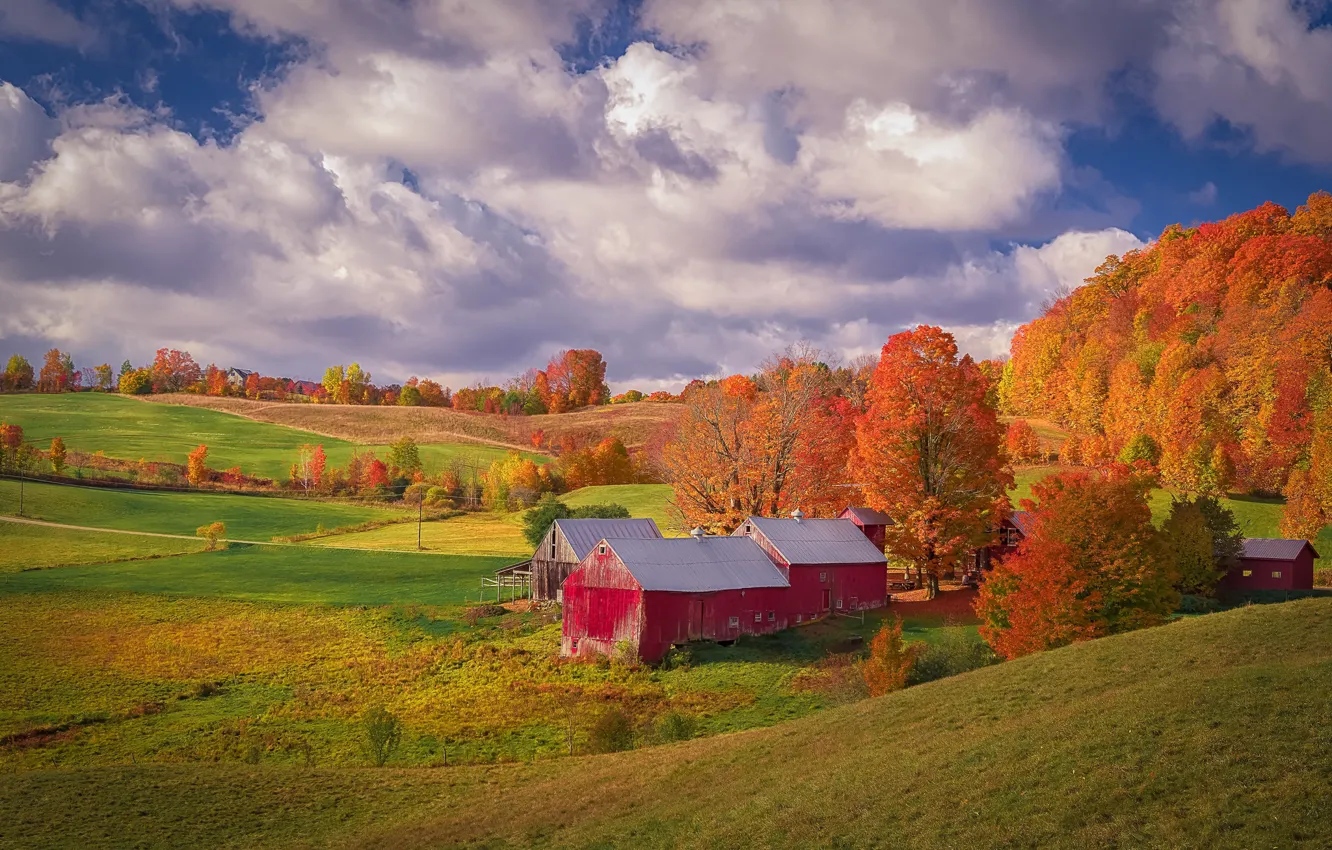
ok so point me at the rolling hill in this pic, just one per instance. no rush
(634, 424)
(1210, 732)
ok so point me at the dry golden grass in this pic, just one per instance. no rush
(634, 424)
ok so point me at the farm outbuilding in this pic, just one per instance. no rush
(649, 594)
(569, 541)
(873, 524)
(1272, 564)
(830, 563)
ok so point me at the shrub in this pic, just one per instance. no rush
(956, 652)
(675, 726)
(678, 658)
(212, 533)
(416, 494)
(611, 732)
(1323, 577)
(889, 660)
(1190, 604)
(383, 733)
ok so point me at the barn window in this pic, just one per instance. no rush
(601, 550)
(1248, 573)
(839, 605)
(772, 615)
(758, 616)
(823, 576)
(748, 528)
(552, 545)
(734, 622)
(1276, 573)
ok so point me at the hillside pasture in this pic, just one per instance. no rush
(1209, 732)
(246, 517)
(634, 424)
(130, 429)
(35, 547)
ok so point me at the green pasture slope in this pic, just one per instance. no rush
(246, 517)
(1210, 732)
(33, 547)
(126, 428)
(651, 501)
(304, 575)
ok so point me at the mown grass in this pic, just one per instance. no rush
(246, 517)
(32, 547)
(502, 533)
(132, 429)
(1209, 732)
(294, 574)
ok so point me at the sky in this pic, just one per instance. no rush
(458, 189)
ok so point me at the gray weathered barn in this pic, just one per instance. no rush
(569, 541)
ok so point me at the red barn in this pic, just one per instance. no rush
(653, 593)
(874, 524)
(1010, 533)
(830, 563)
(1272, 564)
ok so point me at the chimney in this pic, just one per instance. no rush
(797, 515)
(697, 533)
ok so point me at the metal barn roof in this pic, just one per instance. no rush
(584, 534)
(1274, 548)
(697, 565)
(1022, 520)
(869, 516)
(817, 541)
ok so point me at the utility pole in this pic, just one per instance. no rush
(420, 513)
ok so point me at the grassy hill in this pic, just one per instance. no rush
(634, 424)
(1209, 732)
(246, 517)
(131, 429)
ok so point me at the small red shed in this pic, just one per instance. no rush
(652, 594)
(1269, 563)
(1010, 533)
(830, 563)
(874, 524)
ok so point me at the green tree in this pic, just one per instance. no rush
(125, 369)
(538, 520)
(383, 733)
(136, 382)
(18, 374)
(409, 397)
(404, 459)
(1141, 448)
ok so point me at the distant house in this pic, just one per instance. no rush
(1272, 564)
(648, 594)
(1011, 531)
(237, 377)
(830, 563)
(569, 541)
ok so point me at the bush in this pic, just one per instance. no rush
(415, 494)
(383, 733)
(956, 652)
(1190, 604)
(212, 533)
(1323, 577)
(675, 726)
(678, 658)
(611, 732)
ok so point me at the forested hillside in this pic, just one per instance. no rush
(1207, 353)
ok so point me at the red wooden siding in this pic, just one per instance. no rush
(1268, 574)
(603, 605)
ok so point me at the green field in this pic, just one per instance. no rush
(502, 533)
(129, 429)
(29, 547)
(246, 517)
(1210, 732)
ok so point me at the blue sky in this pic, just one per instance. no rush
(686, 185)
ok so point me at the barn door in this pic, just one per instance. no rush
(827, 599)
(696, 619)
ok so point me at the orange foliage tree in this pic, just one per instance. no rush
(929, 451)
(196, 467)
(174, 371)
(760, 447)
(1021, 441)
(1215, 342)
(1091, 565)
(889, 662)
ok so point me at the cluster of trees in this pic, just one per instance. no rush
(364, 475)
(1206, 356)
(57, 375)
(17, 455)
(915, 435)
(1093, 564)
(515, 481)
